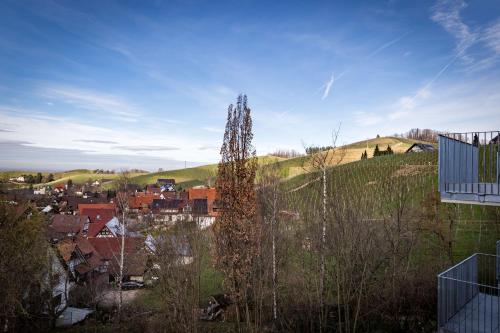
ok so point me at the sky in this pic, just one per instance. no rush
(132, 84)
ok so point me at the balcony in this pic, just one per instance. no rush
(469, 168)
(468, 296)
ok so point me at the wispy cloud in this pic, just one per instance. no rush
(209, 147)
(386, 45)
(146, 148)
(95, 141)
(367, 118)
(492, 37)
(92, 100)
(213, 129)
(5, 130)
(328, 85)
(447, 14)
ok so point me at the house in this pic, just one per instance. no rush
(109, 228)
(165, 181)
(153, 189)
(58, 282)
(20, 179)
(40, 191)
(200, 207)
(63, 226)
(167, 205)
(98, 215)
(173, 245)
(141, 201)
(207, 193)
(72, 202)
(135, 256)
(202, 192)
(82, 260)
(60, 187)
(167, 188)
(103, 206)
(420, 147)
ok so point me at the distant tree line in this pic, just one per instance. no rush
(38, 178)
(422, 134)
(286, 153)
(104, 171)
(316, 149)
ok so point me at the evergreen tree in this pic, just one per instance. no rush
(376, 152)
(389, 150)
(70, 183)
(50, 178)
(38, 178)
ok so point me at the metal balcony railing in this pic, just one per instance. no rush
(469, 167)
(468, 296)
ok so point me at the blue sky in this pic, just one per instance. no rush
(129, 84)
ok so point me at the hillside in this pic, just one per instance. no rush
(344, 154)
(288, 167)
(77, 176)
(377, 185)
(192, 176)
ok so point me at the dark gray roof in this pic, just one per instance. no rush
(421, 147)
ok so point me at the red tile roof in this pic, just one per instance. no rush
(142, 201)
(82, 206)
(202, 193)
(68, 246)
(109, 249)
(66, 224)
(98, 214)
(95, 228)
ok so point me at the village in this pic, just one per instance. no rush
(85, 232)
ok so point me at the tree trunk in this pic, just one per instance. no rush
(122, 255)
(273, 226)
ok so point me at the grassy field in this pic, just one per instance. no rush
(375, 184)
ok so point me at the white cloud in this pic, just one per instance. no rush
(366, 119)
(386, 45)
(492, 37)
(447, 14)
(45, 131)
(328, 86)
(94, 101)
(213, 129)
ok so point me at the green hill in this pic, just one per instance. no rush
(189, 177)
(377, 185)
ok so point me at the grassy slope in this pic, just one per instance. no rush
(78, 176)
(346, 154)
(372, 183)
(192, 176)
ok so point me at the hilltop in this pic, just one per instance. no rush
(289, 167)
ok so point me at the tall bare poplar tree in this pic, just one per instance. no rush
(236, 230)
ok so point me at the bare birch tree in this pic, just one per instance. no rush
(122, 204)
(321, 161)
